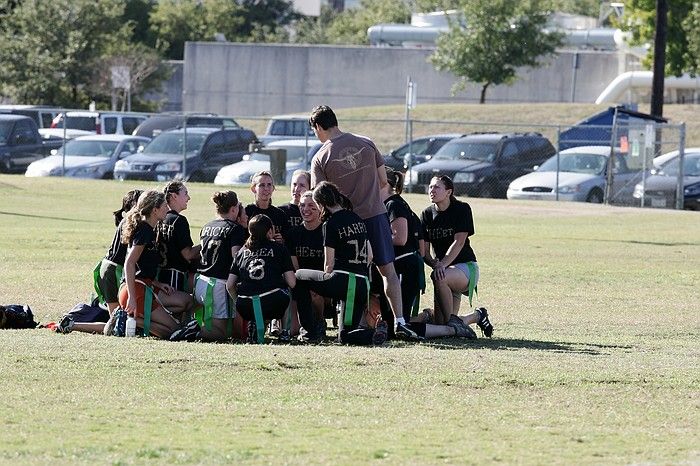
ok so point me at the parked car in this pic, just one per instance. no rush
(422, 149)
(207, 149)
(100, 122)
(483, 164)
(91, 156)
(59, 133)
(288, 127)
(582, 177)
(42, 115)
(659, 188)
(299, 154)
(21, 143)
(156, 124)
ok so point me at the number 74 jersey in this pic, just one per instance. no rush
(346, 233)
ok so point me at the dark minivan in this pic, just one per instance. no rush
(207, 149)
(157, 124)
(483, 164)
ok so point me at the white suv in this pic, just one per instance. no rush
(101, 122)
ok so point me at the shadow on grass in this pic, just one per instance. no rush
(47, 217)
(515, 344)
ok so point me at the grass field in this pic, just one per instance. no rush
(595, 357)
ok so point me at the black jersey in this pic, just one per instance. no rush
(397, 207)
(346, 233)
(150, 258)
(174, 237)
(278, 217)
(293, 215)
(440, 229)
(117, 251)
(260, 270)
(307, 246)
(217, 238)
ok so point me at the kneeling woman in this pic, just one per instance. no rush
(347, 255)
(141, 266)
(221, 239)
(260, 278)
(448, 224)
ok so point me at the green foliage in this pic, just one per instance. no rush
(60, 52)
(500, 36)
(683, 32)
(350, 26)
(176, 21)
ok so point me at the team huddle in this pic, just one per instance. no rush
(350, 250)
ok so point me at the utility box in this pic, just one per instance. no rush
(278, 165)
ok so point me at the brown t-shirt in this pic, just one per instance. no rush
(351, 162)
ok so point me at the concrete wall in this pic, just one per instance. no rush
(261, 79)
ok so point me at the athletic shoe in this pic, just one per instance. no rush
(275, 328)
(484, 323)
(109, 326)
(252, 333)
(405, 333)
(65, 325)
(189, 331)
(461, 329)
(380, 333)
(285, 336)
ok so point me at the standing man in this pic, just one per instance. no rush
(354, 164)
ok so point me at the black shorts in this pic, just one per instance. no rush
(273, 305)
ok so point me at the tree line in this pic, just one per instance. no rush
(61, 52)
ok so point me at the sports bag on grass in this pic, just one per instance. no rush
(16, 316)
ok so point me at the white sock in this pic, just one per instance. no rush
(399, 320)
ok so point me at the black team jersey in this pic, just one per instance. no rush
(217, 238)
(278, 217)
(294, 219)
(260, 269)
(117, 251)
(346, 233)
(174, 237)
(397, 207)
(150, 258)
(440, 229)
(307, 246)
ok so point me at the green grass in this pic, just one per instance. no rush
(594, 359)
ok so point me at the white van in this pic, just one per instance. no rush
(101, 122)
(288, 127)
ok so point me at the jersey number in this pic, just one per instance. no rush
(256, 269)
(210, 251)
(360, 254)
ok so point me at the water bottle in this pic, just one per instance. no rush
(130, 327)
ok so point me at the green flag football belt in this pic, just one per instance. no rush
(350, 295)
(118, 273)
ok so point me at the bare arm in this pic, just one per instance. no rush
(290, 278)
(381, 172)
(399, 231)
(452, 252)
(132, 257)
(329, 259)
(231, 285)
(191, 253)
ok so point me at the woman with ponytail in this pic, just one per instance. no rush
(260, 277)
(407, 238)
(448, 224)
(141, 267)
(345, 277)
(220, 240)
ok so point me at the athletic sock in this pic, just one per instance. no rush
(399, 320)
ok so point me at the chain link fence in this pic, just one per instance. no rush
(633, 162)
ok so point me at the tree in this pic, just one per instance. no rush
(683, 33)
(48, 49)
(174, 22)
(500, 36)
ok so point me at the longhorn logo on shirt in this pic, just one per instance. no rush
(351, 156)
